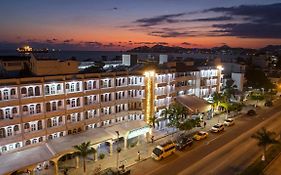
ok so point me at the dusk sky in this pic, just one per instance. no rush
(124, 24)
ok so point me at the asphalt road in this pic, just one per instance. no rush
(225, 153)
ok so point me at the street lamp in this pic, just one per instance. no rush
(118, 150)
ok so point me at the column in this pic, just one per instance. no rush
(96, 156)
(56, 167)
(111, 148)
(77, 162)
(125, 143)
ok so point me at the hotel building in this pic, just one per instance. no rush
(46, 109)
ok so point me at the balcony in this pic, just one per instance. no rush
(11, 139)
(14, 119)
(56, 129)
(32, 134)
(26, 117)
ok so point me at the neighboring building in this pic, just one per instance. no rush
(239, 80)
(13, 65)
(39, 109)
(48, 66)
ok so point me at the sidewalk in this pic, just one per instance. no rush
(129, 156)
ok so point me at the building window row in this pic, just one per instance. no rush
(9, 113)
(8, 94)
(54, 105)
(54, 89)
(32, 109)
(72, 87)
(33, 126)
(10, 131)
(91, 99)
(73, 103)
(30, 91)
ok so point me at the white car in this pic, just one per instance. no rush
(229, 122)
(217, 127)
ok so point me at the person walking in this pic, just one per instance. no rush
(138, 155)
(152, 139)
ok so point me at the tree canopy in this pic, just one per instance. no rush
(257, 79)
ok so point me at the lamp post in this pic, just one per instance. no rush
(118, 150)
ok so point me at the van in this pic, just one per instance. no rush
(164, 150)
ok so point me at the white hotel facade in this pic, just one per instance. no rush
(37, 110)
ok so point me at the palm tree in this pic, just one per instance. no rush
(152, 121)
(265, 138)
(84, 149)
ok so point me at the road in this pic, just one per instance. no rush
(223, 153)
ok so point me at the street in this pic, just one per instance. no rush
(223, 153)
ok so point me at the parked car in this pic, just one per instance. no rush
(163, 150)
(200, 135)
(183, 142)
(251, 112)
(217, 127)
(228, 122)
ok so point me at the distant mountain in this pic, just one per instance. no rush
(159, 49)
(272, 48)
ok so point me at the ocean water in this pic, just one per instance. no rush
(79, 55)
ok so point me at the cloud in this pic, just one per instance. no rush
(212, 19)
(170, 18)
(258, 21)
(186, 43)
(68, 40)
(248, 30)
(151, 43)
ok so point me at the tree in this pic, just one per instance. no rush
(177, 114)
(189, 124)
(84, 149)
(257, 79)
(265, 138)
(229, 90)
(152, 121)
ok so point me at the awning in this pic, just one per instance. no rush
(193, 103)
(25, 157)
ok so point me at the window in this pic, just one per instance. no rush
(14, 110)
(72, 88)
(30, 91)
(16, 128)
(9, 131)
(39, 125)
(6, 94)
(2, 133)
(23, 90)
(17, 145)
(13, 92)
(78, 102)
(48, 107)
(73, 103)
(31, 109)
(53, 89)
(47, 90)
(4, 149)
(77, 86)
(7, 113)
(38, 108)
(40, 139)
(33, 127)
(55, 123)
(37, 91)
(54, 106)
(66, 86)
(49, 123)
(60, 119)
(26, 126)
(27, 142)
(58, 87)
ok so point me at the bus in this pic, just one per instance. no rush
(164, 150)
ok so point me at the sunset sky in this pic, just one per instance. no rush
(124, 24)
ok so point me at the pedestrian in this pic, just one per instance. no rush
(205, 124)
(138, 155)
(152, 139)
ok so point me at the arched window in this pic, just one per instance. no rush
(48, 107)
(4, 149)
(40, 139)
(58, 87)
(68, 118)
(2, 133)
(94, 84)
(37, 91)
(38, 108)
(14, 110)
(77, 86)
(54, 106)
(0, 95)
(50, 137)
(23, 91)
(49, 123)
(13, 92)
(66, 86)
(17, 145)
(78, 102)
(1, 114)
(61, 134)
(39, 125)
(27, 142)
(30, 91)
(16, 128)
(79, 129)
(47, 90)
(86, 86)
(26, 126)
(69, 132)
(24, 108)
(60, 119)
(68, 102)
(60, 103)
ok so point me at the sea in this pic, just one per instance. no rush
(79, 55)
